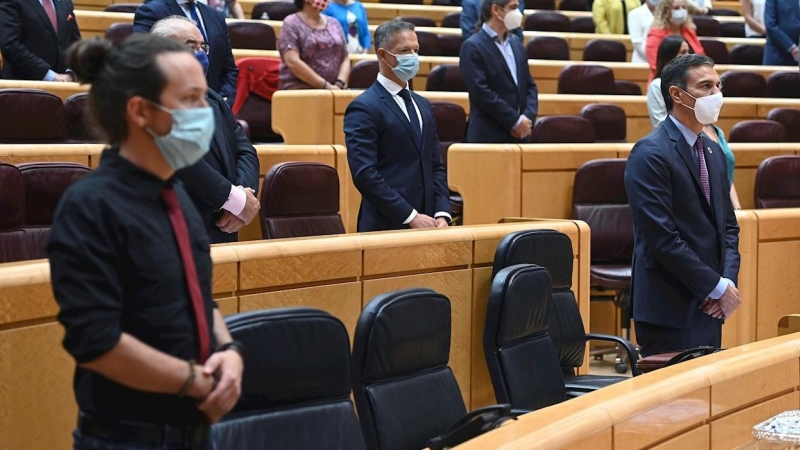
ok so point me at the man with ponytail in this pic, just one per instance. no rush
(129, 258)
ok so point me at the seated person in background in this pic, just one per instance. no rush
(320, 39)
(672, 47)
(753, 12)
(671, 18)
(611, 16)
(639, 21)
(223, 184)
(503, 97)
(782, 22)
(471, 14)
(700, 6)
(353, 19)
(222, 72)
(231, 8)
(34, 37)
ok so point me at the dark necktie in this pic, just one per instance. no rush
(178, 222)
(50, 10)
(412, 115)
(625, 16)
(193, 12)
(701, 159)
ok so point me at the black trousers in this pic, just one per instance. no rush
(701, 329)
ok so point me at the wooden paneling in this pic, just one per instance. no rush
(778, 266)
(699, 438)
(228, 305)
(737, 429)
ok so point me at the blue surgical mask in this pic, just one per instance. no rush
(202, 58)
(407, 65)
(190, 137)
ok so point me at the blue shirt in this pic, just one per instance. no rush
(471, 13)
(691, 139)
(505, 49)
(339, 12)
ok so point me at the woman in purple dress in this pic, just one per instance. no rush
(313, 49)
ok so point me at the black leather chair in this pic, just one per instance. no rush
(522, 360)
(553, 250)
(296, 386)
(405, 392)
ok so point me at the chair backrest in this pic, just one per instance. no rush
(77, 129)
(452, 20)
(716, 50)
(757, 131)
(706, 26)
(405, 392)
(599, 199)
(563, 130)
(451, 125)
(582, 25)
(419, 21)
(296, 389)
(13, 242)
(723, 12)
(608, 120)
(446, 78)
(790, 119)
(257, 112)
(547, 21)
(778, 182)
(450, 44)
(540, 4)
(273, 10)
(603, 50)
(428, 44)
(783, 84)
(520, 354)
(747, 54)
(31, 116)
(743, 84)
(574, 5)
(119, 31)
(300, 199)
(251, 35)
(363, 74)
(589, 79)
(552, 250)
(624, 87)
(548, 47)
(122, 7)
(45, 183)
(732, 29)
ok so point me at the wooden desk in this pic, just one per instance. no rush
(290, 109)
(338, 274)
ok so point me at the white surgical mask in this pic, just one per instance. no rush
(679, 16)
(706, 109)
(513, 20)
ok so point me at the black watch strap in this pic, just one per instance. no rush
(235, 346)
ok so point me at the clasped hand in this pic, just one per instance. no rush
(227, 368)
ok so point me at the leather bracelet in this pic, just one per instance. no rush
(235, 346)
(324, 84)
(189, 380)
(339, 82)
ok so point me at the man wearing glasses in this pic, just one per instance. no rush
(223, 184)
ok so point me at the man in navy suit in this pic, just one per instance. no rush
(223, 184)
(34, 38)
(686, 248)
(392, 146)
(782, 22)
(503, 98)
(222, 72)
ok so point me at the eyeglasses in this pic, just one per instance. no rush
(197, 46)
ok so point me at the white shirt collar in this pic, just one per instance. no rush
(392, 87)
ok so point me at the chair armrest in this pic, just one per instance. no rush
(633, 356)
(518, 412)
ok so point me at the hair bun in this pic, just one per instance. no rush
(86, 58)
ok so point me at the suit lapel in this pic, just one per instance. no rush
(489, 42)
(175, 8)
(714, 173)
(390, 102)
(685, 150)
(43, 15)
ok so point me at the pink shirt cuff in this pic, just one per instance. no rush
(237, 199)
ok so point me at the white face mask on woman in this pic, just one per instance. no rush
(679, 16)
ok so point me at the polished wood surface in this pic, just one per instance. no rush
(708, 403)
(339, 274)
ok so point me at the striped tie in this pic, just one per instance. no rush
(698, 146)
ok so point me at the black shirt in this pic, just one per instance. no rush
(115, 267)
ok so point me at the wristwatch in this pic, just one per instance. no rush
(236, 346)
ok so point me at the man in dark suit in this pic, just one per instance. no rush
(782, 22)
(392, 146)
(224, 183)
(503, 98)
(686, 250)
(34, 37)
(222, 72)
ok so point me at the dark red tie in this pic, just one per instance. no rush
(701, 159)
(50, 10)
(182, 236)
